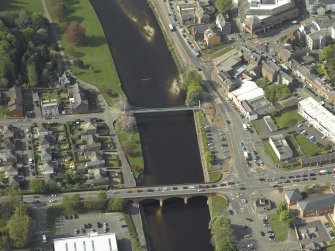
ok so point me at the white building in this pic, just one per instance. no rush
(243, 97)
(280, 147)
(50, 108)
(101, 242)
(318, 116)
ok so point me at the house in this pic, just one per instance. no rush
(95, 160)
(292, 197)
(302, 72)
(250, 56)
(312, 6)
(46, 154)
(9, 170)
(316, 206)
(98, 177)
(78, 99)
(90, 143)
(186, 11)
(270, 71)
(285, 79)
(201, 15)
(49, 167)
(198, 31)
(228, 84)
(49, 108)
(6, 132)
(262, 205)
(211, 38)
(7, 144)
(316, 40)
(88, 128)
(42, 131)
(63, 81)
(280, 147)
(285, 55)
(15, 103)
(223, 25)
(7, 156)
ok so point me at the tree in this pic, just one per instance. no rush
(189, 77)
(101, 200)
(226, 244)
(32, 75)
(281, 207)
(220, 227)
(19, 230)
(193, 94)
(223, 6)
(129, 150)
(75, 33)
(13, 197)
(58, 11)
(285, 217)
(126, 121)
(72, 203)
(116, 205)
(278, 92)
(38, 185)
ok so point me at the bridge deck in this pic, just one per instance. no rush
(167, 109)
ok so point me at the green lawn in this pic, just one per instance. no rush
(30, 5)
(288, 119)
(255, 125)
(218, 204)
(218, 50)
(93, 51)
(49, 95)
(132, 139)
(278, 228)
(269, 151)
(303, 145)
(215, 176)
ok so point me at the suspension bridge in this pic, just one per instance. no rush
(136, 110)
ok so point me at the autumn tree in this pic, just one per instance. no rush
(126, 121)
(75, 33)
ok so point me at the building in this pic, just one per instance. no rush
(285, 55)
(318, 116)
(316, 40)
(262, 205)
(270, 71)
(78, 99)
(223, 25)
(287, 104)
(198, 31)
(186, 11)
(285, 79)
(312, 6)
(262, 15)
(202, 16)
(316, 206)
(250, 100)
(211, 38)
(94, 160)
(15, 103)
(93, 242)
(49, 108)
(270, 123)
(280, 147)
(318, 160)
(292, 197)
(302, 72)
(88, 128)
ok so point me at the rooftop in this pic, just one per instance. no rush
(315, 203)
(293, 194)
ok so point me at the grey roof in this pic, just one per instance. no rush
(285, 54)
(79, 96)
(326, 22)
(303, 70)
(316, 35)
(294, 194)
(316, 203)
(201, 28)
(329, 157)
(252, 21)
(271, 11)
(310, 2)
(15, 98)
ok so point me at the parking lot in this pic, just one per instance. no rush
(89, 223)
(313, 232)
(217, 144)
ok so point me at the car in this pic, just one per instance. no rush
(287, 181)
(231, 212)
(327, 225)
(247, 236)
(272, 238)
(242, 188)
(262, 179)
(249, 219)
(250, 246)
(262, 233)
(282, 177)
(223, 184)
(298, 176)
(305, 175)
(312, 178)
(312, 174)
(291, 177)
(304, 179)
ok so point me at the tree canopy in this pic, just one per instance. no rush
(226, 244)
(281, 207)
(223, 6)
(328, 54)
(285, 217)
(221, 230)
(277, 92)
(116, 205)
(38, 185)
(75, 33)
(72, 203)
(192, 82)
(19, 230)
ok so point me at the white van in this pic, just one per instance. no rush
(44, 238)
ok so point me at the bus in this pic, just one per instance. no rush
(171, 27)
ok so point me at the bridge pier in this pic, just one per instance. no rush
(161, 202)
(185, 200)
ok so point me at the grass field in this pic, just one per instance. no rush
(99, 67)
(269, 151)
(278, 228)
(288, 119)
(215, 176)
(30, 5)
(218, 204)
(303, 146)
(132, 139)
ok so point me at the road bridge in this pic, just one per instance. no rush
(136, 110)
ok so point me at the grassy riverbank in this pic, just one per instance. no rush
(29, 5)
(99, 68)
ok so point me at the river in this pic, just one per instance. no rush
(171, 155)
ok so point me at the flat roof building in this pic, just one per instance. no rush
(50, 108)
(101, 242)
(318, 116)
(280, 147)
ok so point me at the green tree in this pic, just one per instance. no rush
(223, 6)
(278, 92)
(281, 207)
(116, 205)
(72, 203)
(226, 244)
(101, 200)
(193, 94)
(189, 77)
(38, 186)
(32, 75)
(285, 217)
(19, 230)
(220, 227)
(13, 197)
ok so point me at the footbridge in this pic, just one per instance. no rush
(136, 109)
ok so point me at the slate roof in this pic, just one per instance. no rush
(317, 202)
(293, 194)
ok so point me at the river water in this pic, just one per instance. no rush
(171, 155)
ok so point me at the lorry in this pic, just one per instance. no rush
(323, 171)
